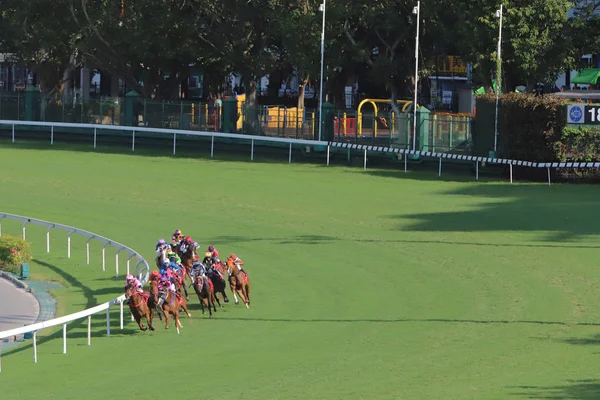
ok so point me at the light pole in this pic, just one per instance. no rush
(417, 11)
(498, 75)
(322, 9)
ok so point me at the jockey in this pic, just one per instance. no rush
(155, 275)
(172, 256)
(238, 262)
(214, 254)
(167, 284)
(160, 245)
(207, 260)
(198, 269)
(132, 280)
(177, 236)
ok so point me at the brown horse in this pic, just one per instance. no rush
(154, 299)
(169, 303)
(216, 275)
(206, 293)
(239, 282)
(138, 306)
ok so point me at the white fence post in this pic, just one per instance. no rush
(24, 223)
(212, 146)
(405, 161)
(290, 158)
(65, 339)
(104, 256)
(365, 160)
(89, 330)
(174, 143)
(133, 141)
(52, 134)
(440, 168)
(69, 244)
(13, 133)
(328, 155)
(35, 347)
(48, 240)
(511, 179)
(87, 250)
(95, 134)
(477, 170)
(117, 260)
(252, 150)
(549, 176)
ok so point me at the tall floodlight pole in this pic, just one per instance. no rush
(498, 75)
(417, 12)
(322, 9)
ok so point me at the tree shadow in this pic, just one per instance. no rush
(584, 389)
(320, 239)
(563, 211)
(593, 340)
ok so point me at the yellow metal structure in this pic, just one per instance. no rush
(373, 102)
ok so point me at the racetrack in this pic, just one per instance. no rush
(17, 307)
(366, 284)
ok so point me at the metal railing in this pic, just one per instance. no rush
(141, 269)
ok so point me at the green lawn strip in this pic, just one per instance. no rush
(363, 286)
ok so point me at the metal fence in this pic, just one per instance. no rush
(436, 132)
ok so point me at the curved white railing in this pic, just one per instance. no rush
(141, 269)
(351, 146)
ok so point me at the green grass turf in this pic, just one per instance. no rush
(366, 285)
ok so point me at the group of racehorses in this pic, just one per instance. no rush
(207, 278)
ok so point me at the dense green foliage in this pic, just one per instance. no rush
(14, 251)
(149, 38)
(390, 286)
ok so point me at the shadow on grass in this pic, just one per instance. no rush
(78, 328)
(563, 211)
(319, 239)
(593, 340)
(412, 320)
(583, 389)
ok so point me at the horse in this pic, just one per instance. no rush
(239, 282)
(187, 260)
(216, 276)
(169, 304)
(138, 306)
(153, 300)
(206, 293)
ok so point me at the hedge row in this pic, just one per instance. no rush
(14, 251)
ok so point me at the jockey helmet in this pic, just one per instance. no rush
(216, 253)
(129, 277)
(234, 256)
(161, 241)
(188, 239)
(166, 262)
(211, 248)
(208, 254)
(177, 233)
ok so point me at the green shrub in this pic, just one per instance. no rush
(13, 252)
(528, 125)
(579, 145)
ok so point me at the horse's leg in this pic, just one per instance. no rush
(247, 294)
(166, 312)
(225, 299)
(213, 298)
(138, 319)
(149, 319)
(232, 287)
(187, 296)
(184, 306)
(216, 298)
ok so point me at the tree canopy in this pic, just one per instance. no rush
(139, 41)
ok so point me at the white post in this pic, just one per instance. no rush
(104, 257)
(327, 155)
(499, 77)
(174, 143)
(417, 11)
(322, 8)
(511, 179)
(52, 134)
(87, 250)
(117, 264)
(35, 347)
(290, 158)
(365, 160)
(406, 161)
(133, 142)
(476, 170)
(440, 168)
(95, 133)
(13, 133)
(108, 322)
(252, 150)
(64, 338)
(89, 330)
(212, 146)
(25, 223)
(549, 176)
(48, 240)
(69, 245)
(121, 314)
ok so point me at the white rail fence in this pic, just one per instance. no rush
(365, 149)
(141, 269)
